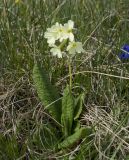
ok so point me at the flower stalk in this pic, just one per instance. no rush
(70, 73)
(61, 46)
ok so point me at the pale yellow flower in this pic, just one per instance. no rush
(67, 31)
(54, 33)
(75, 47)
(56, 51)
(59, 32)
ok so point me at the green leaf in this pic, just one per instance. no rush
(78, 135)
(78, 106)
(67, 111)
(76, 126)
(47, 92)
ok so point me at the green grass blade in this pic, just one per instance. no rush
(46, 137)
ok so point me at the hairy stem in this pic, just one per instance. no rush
(70, 73)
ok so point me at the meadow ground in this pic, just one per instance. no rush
(103, 28)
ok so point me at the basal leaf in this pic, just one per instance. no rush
(67, 111)
(78, 106)
(78, 135)
(47, 92)
(76, 126)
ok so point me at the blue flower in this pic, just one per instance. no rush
(125, 48)
(123, 56)
(125, 52)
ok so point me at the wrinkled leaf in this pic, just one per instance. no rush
(78, 106)
(78, 135)
(76, 126)
(67, 111)
(47, 92)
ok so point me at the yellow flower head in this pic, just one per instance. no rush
(58, 36)
(59, 32)
(75, 47)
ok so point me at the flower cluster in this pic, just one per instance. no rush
(61, 40)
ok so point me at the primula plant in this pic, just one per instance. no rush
(64, 110)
